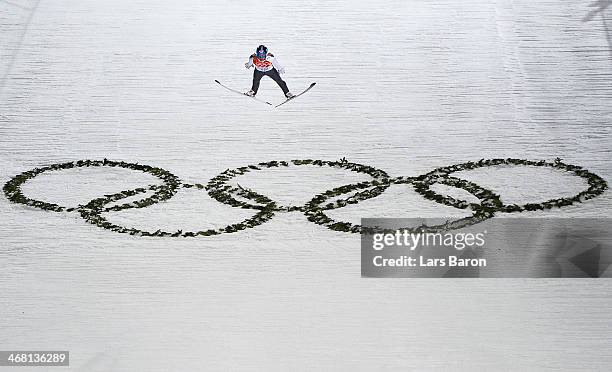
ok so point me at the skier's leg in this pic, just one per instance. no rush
(276, 77)
(257, 75)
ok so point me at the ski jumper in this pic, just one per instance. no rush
(266, 67)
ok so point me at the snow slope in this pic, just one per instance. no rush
(404, 86)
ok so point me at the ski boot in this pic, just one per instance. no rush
(250, 93)
(289, 95)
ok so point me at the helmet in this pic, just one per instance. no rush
(261, 52)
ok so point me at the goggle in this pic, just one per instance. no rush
(261, 54)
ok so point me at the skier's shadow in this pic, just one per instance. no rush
(599, 8)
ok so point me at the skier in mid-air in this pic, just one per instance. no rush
(266, 65)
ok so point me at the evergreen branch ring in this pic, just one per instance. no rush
(489, 203)
(219, 190)
(597, 185)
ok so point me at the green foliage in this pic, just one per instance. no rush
(219, 189)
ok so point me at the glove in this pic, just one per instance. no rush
(248, 65)
(281, 71)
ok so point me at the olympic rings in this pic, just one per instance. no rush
(92, 213)
(12, 189)
(217, 188)
(596, 184)
(480, 212)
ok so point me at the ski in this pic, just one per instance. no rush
(297, 95)
(242, 94)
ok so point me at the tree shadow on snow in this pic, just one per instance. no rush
(599, 8)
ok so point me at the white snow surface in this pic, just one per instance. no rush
(404, 86)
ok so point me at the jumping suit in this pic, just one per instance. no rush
(267, 67)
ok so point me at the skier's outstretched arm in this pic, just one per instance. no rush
(278, 66)
(249, 64)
